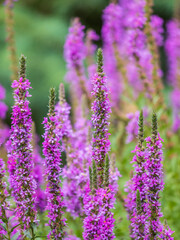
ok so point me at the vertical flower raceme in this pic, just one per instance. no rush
(154, 177)
(101, 113)
(155, 184)
(100, 194)
(142, 203)
(136, 203)
(52, 152)
(75, 52)
(20, 154)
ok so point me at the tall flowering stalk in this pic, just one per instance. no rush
(75, 52)
(154, 177)
(52, 152)
(99, 197)
(101, 110)
(136, 203)
(20, 154)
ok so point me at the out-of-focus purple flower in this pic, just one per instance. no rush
(91, 36)
(132, 127)
(52, 152)
(4, 134)
(175, 98)
(3, 110)
(90, 46)
(2, 92)
(157, 28)
(38, 172)
(10, 2)
(112, 34)
(74, 49)
(78, 152)
(20, 155)
(172, 47)
(75, 53)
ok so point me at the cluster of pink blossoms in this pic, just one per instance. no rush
(142, 203)
(20, 155)
(52, 152)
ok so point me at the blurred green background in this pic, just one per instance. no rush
(41, 27)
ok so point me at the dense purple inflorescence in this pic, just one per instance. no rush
(52, 151)
(100, 195)
(99, 222)
(101, 113)
(20, 156)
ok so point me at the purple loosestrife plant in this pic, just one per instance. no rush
(100, 194)
(74, 53)
(52, 151)
(99, 221)
(101, 113)
(20, 155)
(136, 204)
(154, 178)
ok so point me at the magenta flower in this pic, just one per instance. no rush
(99, 221)
(99, 196)
(101, 113)
(52, 152)
(172, 47)
(20, 155)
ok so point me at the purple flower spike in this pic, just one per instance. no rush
(52, 152)
(20, 154)
(101, 113)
